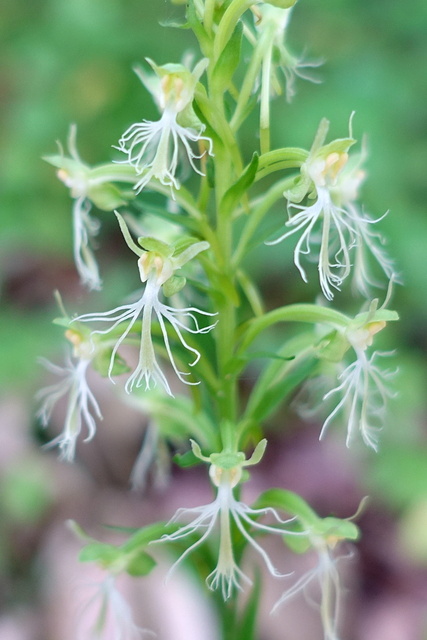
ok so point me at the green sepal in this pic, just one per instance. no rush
(340, 145)
(106, 197)
(229, 59)
(68, 164)
(333, 347)
(156, 246)
(104, 554)
(239, 188)
(188, 118)
(62, 322)
(382, 315)
(297, 192)
(173, 285)
(186, 460)
(182, 244)
(331, 527)
(227, 460)
(101, 363)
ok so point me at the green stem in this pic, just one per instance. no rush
(264, 119)
(208, 15)
(292, 313)
(228, 22)
(256, 217)
(249, 81)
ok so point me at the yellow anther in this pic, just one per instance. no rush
(334, 163)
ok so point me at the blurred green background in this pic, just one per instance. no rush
(70, 61)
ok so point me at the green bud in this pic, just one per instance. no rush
(106, 197)
(333, 347)
(173, 285)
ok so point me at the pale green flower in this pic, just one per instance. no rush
(156, 270)
(113, 619)
(224, 512)
(82, 408)
(322, 583)
(85, 188)
(331, 227)
(154, 148)
(273, 22)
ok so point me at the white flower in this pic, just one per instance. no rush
(74, 176)
(113, 615)
(155, 271)
(363, 392)
(85, 188)
(153, 148)
(353, 384)
(332, 223)
(367, 239)
(325, 577)
(223, 512)
(82, 405)
(363, 388)
(271, 22)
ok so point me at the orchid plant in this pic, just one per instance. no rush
(220, 202)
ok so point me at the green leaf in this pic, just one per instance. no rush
(229, 59)
(239, 188)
